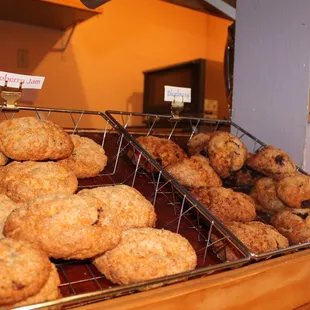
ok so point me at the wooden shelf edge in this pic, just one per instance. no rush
(280, 283)
(76, 4)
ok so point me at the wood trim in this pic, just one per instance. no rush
(280, 283)
(72, 3)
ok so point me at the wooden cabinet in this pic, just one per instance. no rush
(56, 14)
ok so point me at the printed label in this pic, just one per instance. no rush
(177, 94)
(13, 80)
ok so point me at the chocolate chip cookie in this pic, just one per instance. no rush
(227, 154)
(272, 162)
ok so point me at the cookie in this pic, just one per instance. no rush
(294, 191)
(24, 271)
(227, 154)
(198, 144)
(3, 159)
(6, 207)
(195, 172)
(226, 204)
(88, 158)
(48, 292)
(272, 162)
(63, 226)
(24, 181)
(293, 224)
(164, 151)
(146, 253)
(28, 138)
(122, 206)
(246, 177)
(265, 195)
(258, 237)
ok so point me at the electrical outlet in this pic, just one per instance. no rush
(22, 58)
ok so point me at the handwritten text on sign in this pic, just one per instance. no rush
(28, 81)
(177, 94)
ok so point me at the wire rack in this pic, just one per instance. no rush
(81, 282)
(181, 130)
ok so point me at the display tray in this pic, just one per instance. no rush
(180, 130)
(81, 282)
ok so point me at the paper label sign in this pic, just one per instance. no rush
(177, 94)
(13, 80)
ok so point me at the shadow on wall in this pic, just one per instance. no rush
(62, 85)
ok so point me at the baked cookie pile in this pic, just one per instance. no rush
(43, 217)
(217, 166)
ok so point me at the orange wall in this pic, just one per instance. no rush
(102, 66)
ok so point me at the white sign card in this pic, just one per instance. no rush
(28, 81)
(177, 94)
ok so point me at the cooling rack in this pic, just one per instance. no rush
(181, 130)
(81, 283)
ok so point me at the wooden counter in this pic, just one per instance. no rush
(281, 283)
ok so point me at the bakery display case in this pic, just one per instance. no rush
(182, 129)
(81, 282)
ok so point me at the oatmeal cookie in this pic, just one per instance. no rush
(145, 254)
(88, 158)
(64, 226)
(198, 144)
(265, 195)
(48, 292)
(294, 191)
(164, 151)
(246, 177)
(6, 207)
(226, 204)
(272, 162)
(28, 138)
(195, 172)
(23, 181)
(293, 224)
(227, 154)
(24, 271)
(122, 206)
(258, 237)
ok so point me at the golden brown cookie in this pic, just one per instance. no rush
(24, 270)
(28, 138)
(88, 158)
(272, 162)
(3, 159)
(64, 226)
(195, 172)
(48, 292)
(294, 191)
(227, 154)
(265, 195)
(198, 144)
(258, 237)
(146, 253)
(164, 151)
(122, 206)
(6, 207)
(226, 204)
(293, 224)
(24, 181)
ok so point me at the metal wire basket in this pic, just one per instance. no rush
(81, 283)
(180, 130)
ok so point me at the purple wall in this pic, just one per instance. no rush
(272, 72)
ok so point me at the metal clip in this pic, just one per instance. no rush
(176, 108)
(11, 97)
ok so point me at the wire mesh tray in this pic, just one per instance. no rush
(180, 130)
(81, 283)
